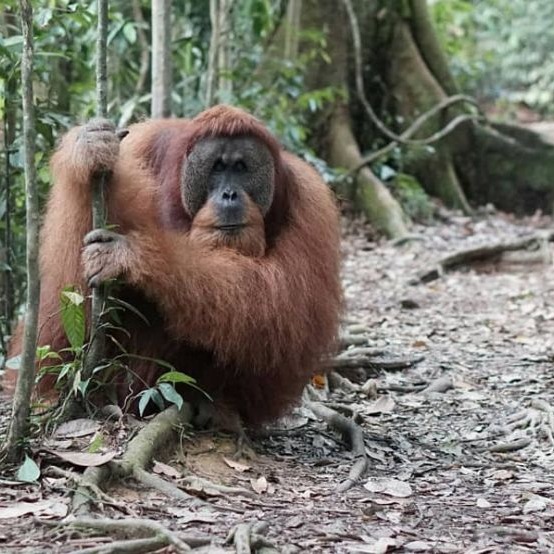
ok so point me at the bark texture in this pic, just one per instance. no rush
(19, 422)
(161, 58)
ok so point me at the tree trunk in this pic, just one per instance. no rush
(219, 85)
(505, 165)
(21, 407)
(291, 29)
(369, 195)
(429, 46)
(405, 74)
(161, 58)
(415, 90)
(511, 168)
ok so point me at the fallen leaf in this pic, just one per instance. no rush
(29, 472)
(259, 485)
(483, 503)
(236, 465)
(57, 509)
(383, 545)
(417, 546)
(535, 504)
(77, 428)
(18, 509)
(502, 474)
(383, 405)
(390, 487)
(167, 470)
(84, 459)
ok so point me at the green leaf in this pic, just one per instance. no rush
(29, 472)
(97, 443)
(82, 386)
(73, 318)
(43, 17)
(14, 40)
(74, 297)
(171, 395)
(64, 370)
(130, 33)
(147, 395)
(175, 377)
(44, 352)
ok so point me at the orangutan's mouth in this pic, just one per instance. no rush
(235, 228)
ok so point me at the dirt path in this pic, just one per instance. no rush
(433, 485)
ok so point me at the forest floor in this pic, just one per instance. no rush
(466, 470)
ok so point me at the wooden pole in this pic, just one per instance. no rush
(97, 337)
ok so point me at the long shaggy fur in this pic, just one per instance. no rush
(251, 321)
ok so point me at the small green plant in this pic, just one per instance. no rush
(165, 391)
(72, 313)
(69, 373)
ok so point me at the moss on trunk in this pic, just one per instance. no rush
(370, 194)
(416, 90)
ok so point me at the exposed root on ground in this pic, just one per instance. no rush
(355, 353)
(152, 535)
(198, 483)
(532, 423)
(249, 537)
(535, 243)
(134, 463)
(352, 434)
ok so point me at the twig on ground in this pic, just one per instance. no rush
(521, 535)
(512, 446)
(198, 483)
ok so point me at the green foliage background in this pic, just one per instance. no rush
(501, 49)
(498, 49)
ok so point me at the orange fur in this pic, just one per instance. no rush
(250, 317)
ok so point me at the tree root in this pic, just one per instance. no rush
(198, 483)
(249, 537)
(480, 253)
(536, 421)
(365, 357)
(511, 446)
(352, 434)
(337, 381)
(138, 456)
(156, 535)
